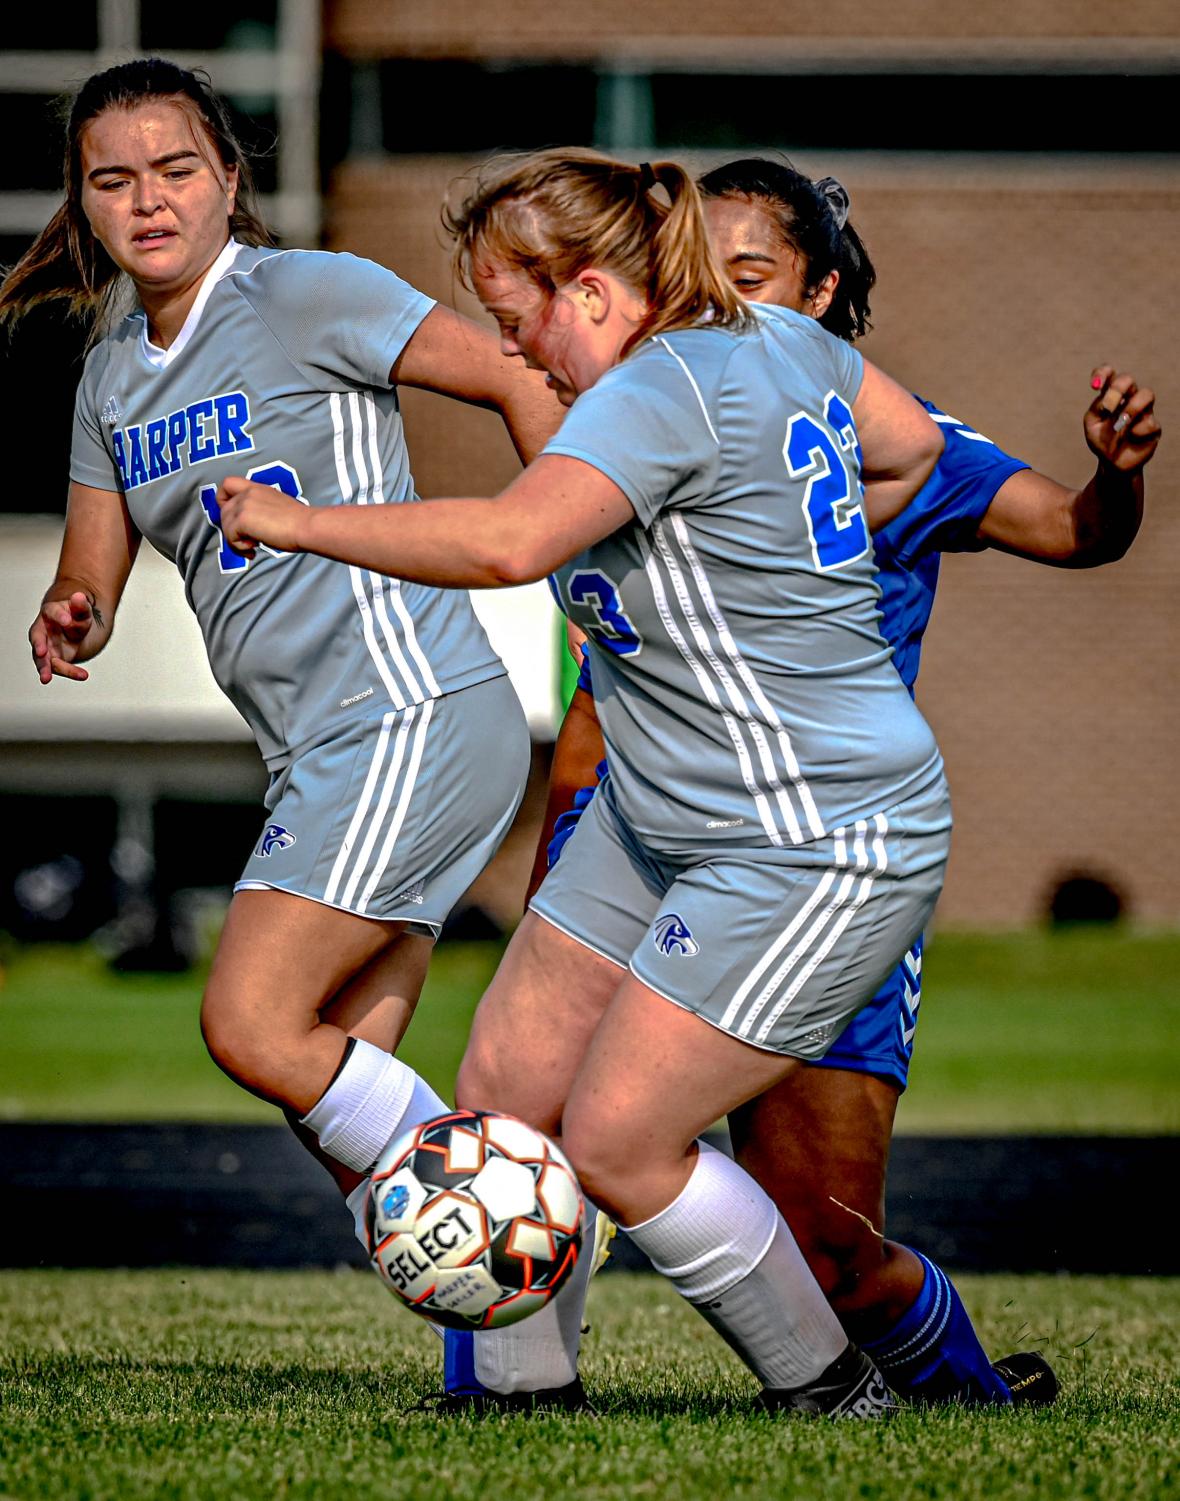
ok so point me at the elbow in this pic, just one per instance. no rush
(509, 566)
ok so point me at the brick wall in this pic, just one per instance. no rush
(1054, 694)
(577, 29)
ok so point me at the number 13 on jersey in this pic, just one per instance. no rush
(832, 501)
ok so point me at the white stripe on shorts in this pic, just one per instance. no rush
(354, 827)
(836, 928)
(389, 784)
(815, 943)
(403, 805)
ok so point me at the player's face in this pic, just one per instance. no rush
(156, 195)
(753, 254)
(563, 333)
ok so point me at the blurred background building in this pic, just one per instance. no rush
(1013, 169)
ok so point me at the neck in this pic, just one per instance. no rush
(167, 307)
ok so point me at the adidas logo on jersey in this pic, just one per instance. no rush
(110, 412)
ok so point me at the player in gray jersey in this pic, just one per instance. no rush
(775, 827)
(374, 704)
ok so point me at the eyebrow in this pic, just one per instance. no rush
(160, 161)
(750, 255)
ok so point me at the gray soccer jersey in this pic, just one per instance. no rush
(281, 373)
(745, 692)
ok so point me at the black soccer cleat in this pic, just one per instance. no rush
(553, 1399)
(851, 1387)
(1029, 1377)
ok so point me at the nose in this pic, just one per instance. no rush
(148, 196)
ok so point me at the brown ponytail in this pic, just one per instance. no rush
(552, 213)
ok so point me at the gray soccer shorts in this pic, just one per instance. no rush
(778, 947)
(395, 819)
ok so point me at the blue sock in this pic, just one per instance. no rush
(459, 1363)
(933, 1354)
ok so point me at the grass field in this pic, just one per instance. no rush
(1071, 1031)
(197, 1386)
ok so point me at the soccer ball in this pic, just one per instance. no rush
(474, 1220)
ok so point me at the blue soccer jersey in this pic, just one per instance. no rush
(944, 516)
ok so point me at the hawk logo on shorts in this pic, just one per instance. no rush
(672, 936)
(275, 838)
(393, 1205)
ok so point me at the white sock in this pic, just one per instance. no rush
(372, 1098)
(728, 1251)
(541, 1352)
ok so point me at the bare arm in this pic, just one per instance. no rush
(1034, 517)
(451, 355)
(78, 609)
(551, 512)
(899, 443)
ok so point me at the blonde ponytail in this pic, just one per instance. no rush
(551, 214)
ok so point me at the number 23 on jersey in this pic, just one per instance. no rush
(833, 498)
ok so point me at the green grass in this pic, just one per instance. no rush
(195, 1386)
(1073, 1031)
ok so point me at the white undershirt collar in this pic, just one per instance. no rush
(162, 358)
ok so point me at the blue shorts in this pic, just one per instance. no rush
(880, 1037)
(878, 1040)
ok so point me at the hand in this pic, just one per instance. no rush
(252, 514)
(1120, 423)
(58, 634)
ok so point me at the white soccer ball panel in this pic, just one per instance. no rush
(557, 1194)
(515, 1138)
(468, 1290)
(505, 1189)
(451, 1230)
(516, 1309)
(465, 1151)
(396, 1202)
(406, 1267)
(529, 1239)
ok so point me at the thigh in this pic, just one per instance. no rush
(534, 1024)
(378, 1002)
(396, 818)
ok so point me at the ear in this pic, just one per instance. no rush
(594, 291)
(821, 301)
(231, 188)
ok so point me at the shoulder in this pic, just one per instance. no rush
(299, 273)
(687, 367)
(108, 350)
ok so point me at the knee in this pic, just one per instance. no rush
(233, 1043)
(605, 1165)
(483, 1080)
